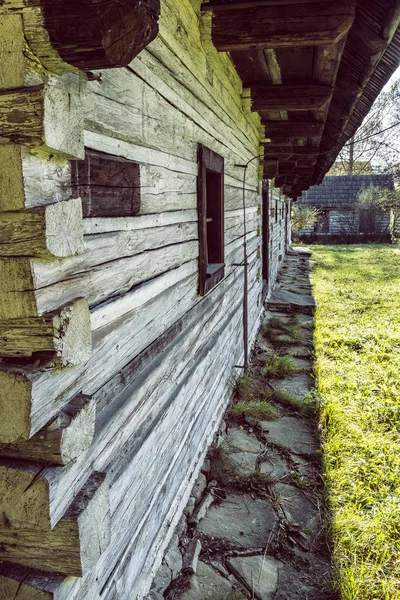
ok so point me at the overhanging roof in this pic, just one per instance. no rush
(312, 69)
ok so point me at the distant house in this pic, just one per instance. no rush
(341, 217)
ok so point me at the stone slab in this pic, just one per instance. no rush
(291, 433)
(260, 574)
(299, 511)
(285, 300)
(238, 440)
(303, 363)
(199, 487)
(297, 387)
(274, 466)
(242, 463)
(300, 351)
(209, 584)
(240, 520)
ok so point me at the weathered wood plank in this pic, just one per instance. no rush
(64, 337)
(61, 441)
(31, 179)
(47, 116)
(138, 393)
(289, 97)
(52, 230)
(25, 583)
(109, 186)
(30, 287)
(278, 26)
(37, 396)
(74, 545)
(291, 129)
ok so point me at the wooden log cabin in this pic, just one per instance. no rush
(141, 146)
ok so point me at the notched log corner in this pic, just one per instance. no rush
(100, 35)
(74, 545)
(64, 337)
(61, 441)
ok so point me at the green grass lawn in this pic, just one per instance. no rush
(358, 365)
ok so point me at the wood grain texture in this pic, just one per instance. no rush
(28, 180)
(313, 24)
(47, 116)
(61, 441)
(105, 35)
(52, 230)
(33, 584)
(64, 337)
(74, 545)
(109, 186)
(289, 97)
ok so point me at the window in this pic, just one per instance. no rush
(108, 185)
(211, 218)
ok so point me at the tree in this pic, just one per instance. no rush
(303, 217)
(376, 142)
(374, 199)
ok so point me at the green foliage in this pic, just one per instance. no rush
(358, 364)
(278, 366)
(263, 411)
(303, 217)
(375, 197)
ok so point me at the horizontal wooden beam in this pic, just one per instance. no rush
(99, 35)
(52, 230)
(288, 149)
(277, 26)
(289, 97)
(74, 545)
(64, 337)
(224, 5)
(292, 129)
(61, 441)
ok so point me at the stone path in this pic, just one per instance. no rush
(255, 523)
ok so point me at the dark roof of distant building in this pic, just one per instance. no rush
(342, 191)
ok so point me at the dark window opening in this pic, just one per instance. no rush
(108, 185)
(211, 219)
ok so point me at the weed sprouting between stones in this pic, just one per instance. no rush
(279, 367)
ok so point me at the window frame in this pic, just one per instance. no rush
(210, 273)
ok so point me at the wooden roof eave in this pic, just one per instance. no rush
(325, 116)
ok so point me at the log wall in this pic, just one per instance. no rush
(105, 425)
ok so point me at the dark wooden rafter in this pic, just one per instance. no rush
(289, 97)
(290, 129)
(306, 66)
(98, 35)
(352, 84)
(247, 26)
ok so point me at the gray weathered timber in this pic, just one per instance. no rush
(33, 584)
(74, 545)
(61, 441)
(29, 179)
(64, 337)
(52, 230)
(45, 116)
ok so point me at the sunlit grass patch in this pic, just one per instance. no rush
(358, 367)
